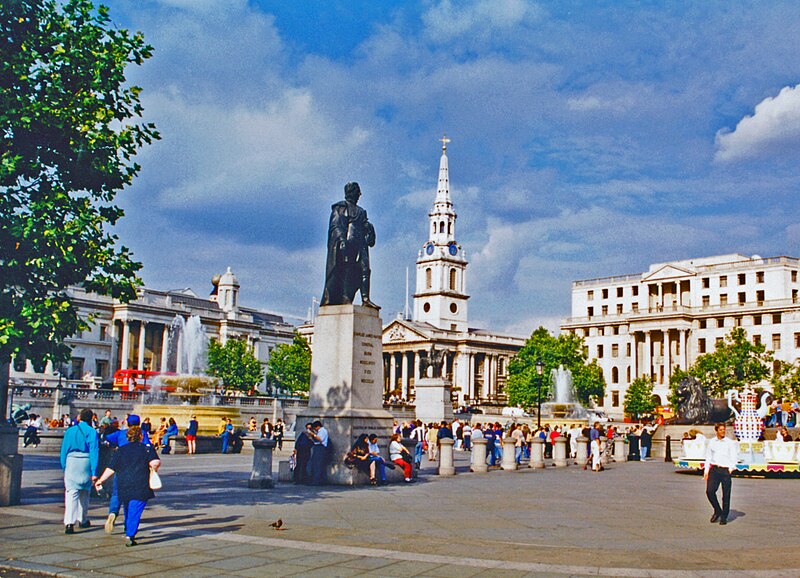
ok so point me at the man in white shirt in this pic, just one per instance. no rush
(319, 453)
(722, 455)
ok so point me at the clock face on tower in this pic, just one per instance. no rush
(429, 248)
(453, 249)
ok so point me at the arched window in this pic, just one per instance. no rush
(453, 279)
(441, 227)
(434, 229)
(628, 374)
(614, 375)
(449, 228)
(428, 278)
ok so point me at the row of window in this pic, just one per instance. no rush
(741, 279)
(429, 278)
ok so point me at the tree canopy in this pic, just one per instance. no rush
(568, 350)
(735, 363)
(289, 366)
(235, 364)
(66, 150)
(639, 400)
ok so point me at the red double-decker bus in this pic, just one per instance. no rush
(133, 379)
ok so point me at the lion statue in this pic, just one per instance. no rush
(696, 407)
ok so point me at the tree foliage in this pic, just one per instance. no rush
(786, 381)
(235, 364)
(735, 363)
(568, 350)
(66, 150)
(639, 400)
(289, 366)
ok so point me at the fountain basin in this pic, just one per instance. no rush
(208, 417)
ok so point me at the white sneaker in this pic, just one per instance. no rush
(109, 527)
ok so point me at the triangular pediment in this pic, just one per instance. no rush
(400, 331)
(668, 273)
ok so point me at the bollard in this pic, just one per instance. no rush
(446, 467)
(603, 453)
(583, 451)
(668, 450)
(620, 449)
(560, 452)
(479, 456)
(508, 462)
(537, 453)
(261, 476)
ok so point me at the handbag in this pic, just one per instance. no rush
(155, 480)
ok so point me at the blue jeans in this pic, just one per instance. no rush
(381, 466)
(643, 452)
(225, 443)
(133, 515)
(467, 443)
(418, 451)
(518, 454)
(113, 502)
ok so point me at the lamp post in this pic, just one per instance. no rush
(539, 371)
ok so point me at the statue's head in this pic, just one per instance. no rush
(352, 192)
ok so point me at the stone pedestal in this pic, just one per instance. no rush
(347, 384)
(479, 464)
(446, 465)
(10, 466)
(560, 452)
(537, 452)
(261, 475)
(583, 451)
(508, 462)
(432, 400)
(620, 449)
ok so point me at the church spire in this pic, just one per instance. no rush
(443, 216)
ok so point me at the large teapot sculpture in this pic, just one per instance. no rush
(749, 422)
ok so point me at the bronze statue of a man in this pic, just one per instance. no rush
(350, 235)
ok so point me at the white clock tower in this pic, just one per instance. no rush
(441, 296)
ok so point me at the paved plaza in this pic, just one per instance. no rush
(634, 519)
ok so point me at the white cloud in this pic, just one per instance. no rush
(776, 122)
(249, 152)
(484, 18)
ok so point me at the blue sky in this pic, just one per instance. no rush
(588, 139)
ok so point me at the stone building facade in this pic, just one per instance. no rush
(654, 322)
(136, 335)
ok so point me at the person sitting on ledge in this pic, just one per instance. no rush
(376, 461)
(358, 457)
(400, 456)
(170, 432)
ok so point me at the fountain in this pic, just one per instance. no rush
(564, 405)
(176, 393)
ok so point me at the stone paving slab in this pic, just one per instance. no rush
(635, 519)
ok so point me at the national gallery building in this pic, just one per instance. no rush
(135, 335)
(654, 322)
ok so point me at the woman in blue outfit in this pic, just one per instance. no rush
(80, 455)
(131, 464)
(172, 431)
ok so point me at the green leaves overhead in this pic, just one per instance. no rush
(66, 150)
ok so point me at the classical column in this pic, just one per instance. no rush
(660, 296)
(164, 348)
(416, 366)
(392, 372)
(493, 374)
(667, 356)
(404, 370)
(473, 387)
(635, 352)
(648, 355)
(683, 357)
(142, 331)
(126, 344)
